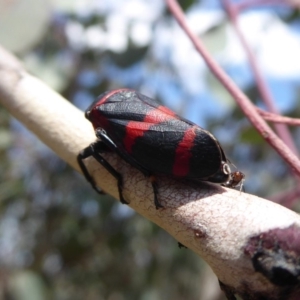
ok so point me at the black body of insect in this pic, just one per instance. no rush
(155, 140)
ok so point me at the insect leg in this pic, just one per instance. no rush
(85, 153)
(155, 191)
(100, 133)
(94, 150)
(181, 246)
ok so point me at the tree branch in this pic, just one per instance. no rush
(221, 225)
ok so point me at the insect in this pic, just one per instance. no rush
(155, 140)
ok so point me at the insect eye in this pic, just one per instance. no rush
(226, 169)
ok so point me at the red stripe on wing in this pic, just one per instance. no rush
(159, 115)
(183, 154)
(135, 129)
(166, 110)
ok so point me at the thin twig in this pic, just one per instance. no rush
(248, 4)
(262, 86)
(243, 101)
(278, 118)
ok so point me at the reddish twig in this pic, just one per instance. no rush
(248, 4)
(278, 118)
(243, 101)
(262, 86)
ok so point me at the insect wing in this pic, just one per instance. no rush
(171, 147)
(163, 109)
(155, 137)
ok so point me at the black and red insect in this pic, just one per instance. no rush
(155, 140)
